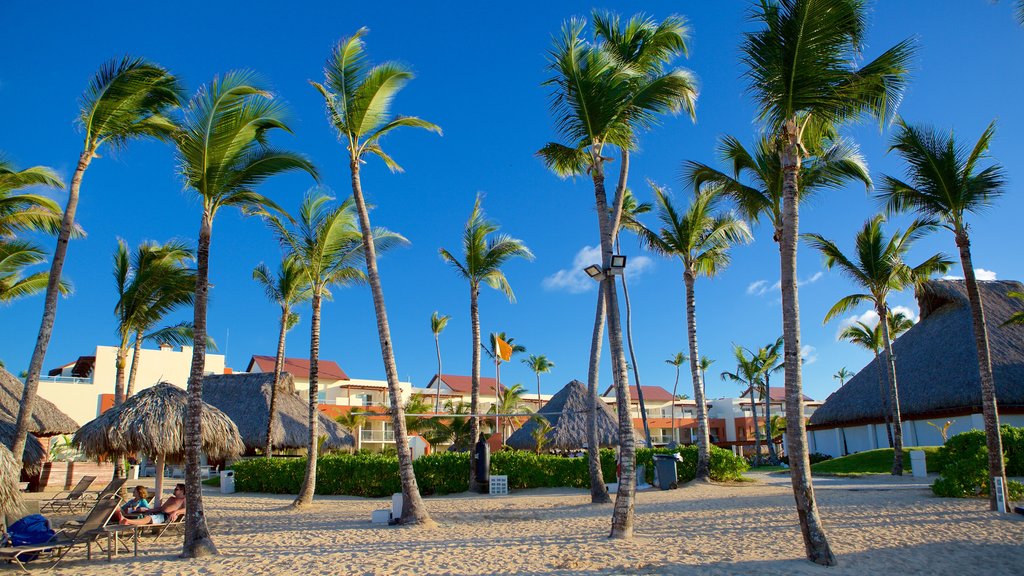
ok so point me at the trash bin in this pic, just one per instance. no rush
(665, 464)
(133, 472)
(917, 464)
(227, 482)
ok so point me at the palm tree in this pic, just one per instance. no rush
(327, 248)
(414, 407)
(358, 98)
(15, 257)
(802, 68)
(701, 239)
(509, 401)
(224, 156)
(842, 375)
(538, 364)
(484, 255)
(288, 288)
(540, 432)
(631, 209)
(878, 267)
(603, 93)
(945, 183)
(354, 423)
(1016, 317)
(180, 334)
(437, 325)
(493, 353)
(453, 429)
(749, 375)
(676, 360)
(705, 363)
(27, 212)
(770, 360)
(870, 338)
(126, 100)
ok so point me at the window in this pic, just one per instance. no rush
(321, 397)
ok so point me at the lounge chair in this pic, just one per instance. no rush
(113, 487)
(64, 541)
(72, 500)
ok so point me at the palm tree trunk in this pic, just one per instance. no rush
(894, 397)
(989, 407)
(882, 379)
(305, 496)
(622, 516)
(703, 439)
(816, 543)
(598, 489)
(757, 429)
(35, 366)
(437, 401)
(268, 449)
(134, 370)
(773, 458)
(119, 366)
(632, 359)
(474, 393)
(538, 391)
(413, 510)
(198, 542)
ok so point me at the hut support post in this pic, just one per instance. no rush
(158, 494)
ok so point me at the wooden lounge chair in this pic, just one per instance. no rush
(64, 541)
(70, 501)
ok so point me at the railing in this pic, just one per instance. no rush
(377, 436)
(66, 380)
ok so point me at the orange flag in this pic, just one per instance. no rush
(504, 350)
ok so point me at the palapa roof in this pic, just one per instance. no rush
(326, 369)
(567, 413)
(34, 456)
(246, 399)
(153, 422)
(937, 361)
(47, 420)
(10, 478)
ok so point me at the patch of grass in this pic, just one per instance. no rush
(872, 462)
(212, 481)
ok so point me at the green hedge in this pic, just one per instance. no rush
(963, 462)
(376, 475)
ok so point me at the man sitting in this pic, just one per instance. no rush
(172, 509)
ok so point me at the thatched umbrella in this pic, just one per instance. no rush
(937, 362)
(246, 399)
(46, 420)
(10, 479)
(153, 422)
(567, 413)
(34, 455)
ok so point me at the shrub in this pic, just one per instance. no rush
(724, 464)
(963, 463)
(815, 457)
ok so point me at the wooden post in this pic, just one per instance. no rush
(158, 491)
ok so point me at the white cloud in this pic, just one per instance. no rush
(761, 287)
(809, 354)
(979, 273)
(575, 281)
(870, 318)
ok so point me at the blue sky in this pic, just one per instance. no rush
(479, 71)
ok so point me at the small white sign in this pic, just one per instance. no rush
(997, 485)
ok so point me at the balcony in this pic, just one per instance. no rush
(65, 380)
(377, 436)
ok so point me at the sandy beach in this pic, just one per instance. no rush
(875, 524)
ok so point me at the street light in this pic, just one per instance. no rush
(595, 272)
(618, 264)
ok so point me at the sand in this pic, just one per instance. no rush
(878, 524)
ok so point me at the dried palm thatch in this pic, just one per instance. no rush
(46, 420)
(246, 399)
(10, 478)
(34, 455)
(153, 422)
(937, 361)
(567, 413)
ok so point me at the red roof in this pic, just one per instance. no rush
(778, 394)
(464, 384)
(651, 394)
(299, 367)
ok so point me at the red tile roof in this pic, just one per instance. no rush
(299, 367)
(777, 394)
(651, 393)
(464, 384)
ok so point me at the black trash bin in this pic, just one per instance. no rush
(665, 464)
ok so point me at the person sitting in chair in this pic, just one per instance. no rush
(172, 509)
(139, 502)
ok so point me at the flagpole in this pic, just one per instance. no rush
(497, 386)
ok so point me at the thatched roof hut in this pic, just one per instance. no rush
(937, 361)
(567, 413)
(47, 420)
(34, 455)
(10, 478)
(246, 399)
(153, 422)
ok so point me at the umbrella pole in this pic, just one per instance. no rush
(158, 495)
